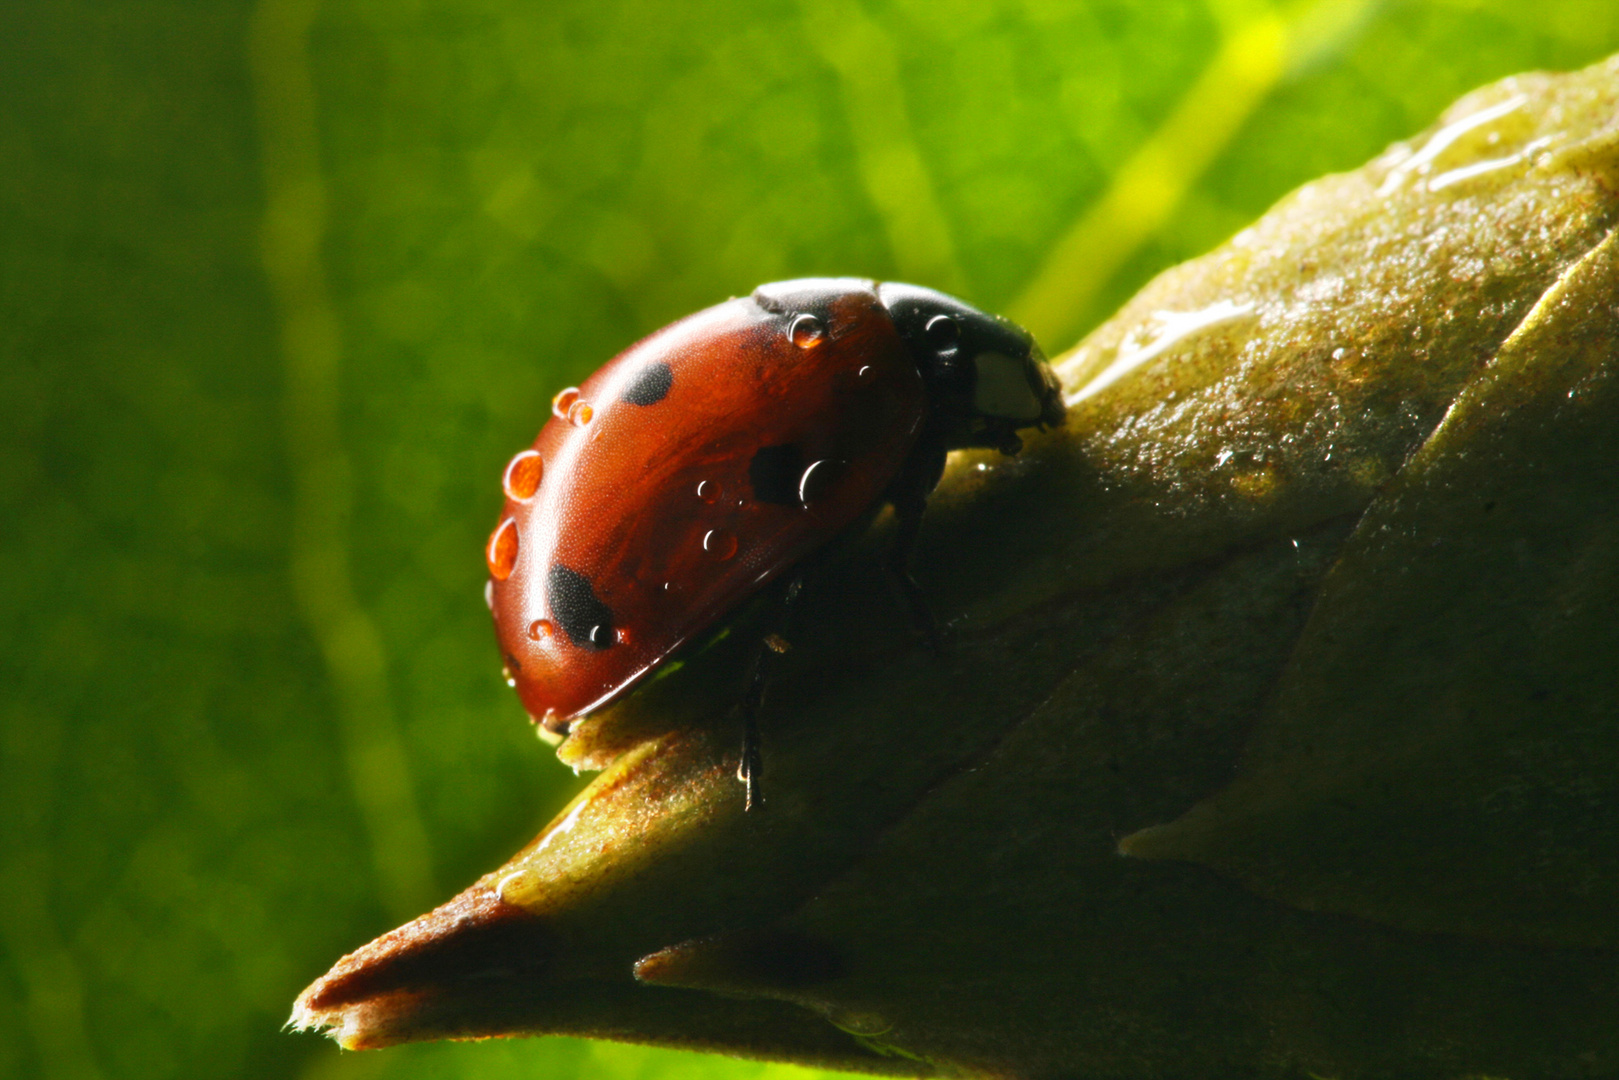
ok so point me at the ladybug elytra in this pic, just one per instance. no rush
(709, 459)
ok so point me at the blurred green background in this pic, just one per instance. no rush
(283, 285)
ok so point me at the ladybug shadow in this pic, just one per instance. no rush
(848, 621)
(859, 694)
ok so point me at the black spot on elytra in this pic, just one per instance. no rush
(586, 620)
(774, 473)
(650, 386)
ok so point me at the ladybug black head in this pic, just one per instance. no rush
(984, 373)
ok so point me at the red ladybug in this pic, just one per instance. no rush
(709, 459)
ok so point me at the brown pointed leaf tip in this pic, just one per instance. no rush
(1309, 603)
(472, 943)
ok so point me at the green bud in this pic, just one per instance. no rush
(1277, 728)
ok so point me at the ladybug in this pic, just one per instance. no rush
(710, 459)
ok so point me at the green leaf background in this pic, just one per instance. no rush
(282, 287)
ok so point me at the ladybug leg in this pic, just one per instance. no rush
(898, 566)
(752, 763)
(748, 770)
(909, 494)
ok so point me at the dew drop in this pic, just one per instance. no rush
(943, 334)
(579, 414)
(865, 374)
(523, 474)
(563, 402)
(710, 491)
(553, 725)
(500, 886)
(541, 630)
(817, 481)
(719, 544)
(601, 636)
(623, 636)
(806, 331)
(502, 550)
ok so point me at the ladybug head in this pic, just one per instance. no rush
(985, 375)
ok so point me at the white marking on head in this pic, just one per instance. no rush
(1003, 388)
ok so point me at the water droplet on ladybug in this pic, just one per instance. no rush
(710, 491)
(806, 331)
(563, 402)
(865, 374)
(719, 544)
(579, 414)
(541, 630)
(502, 550)
(523, 474)
(622, 636)
(601, 636)
(489, 594)
(817, 481)
(943, 334)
